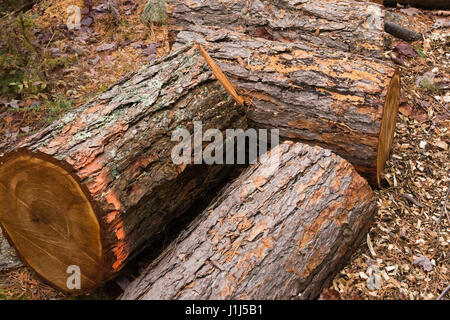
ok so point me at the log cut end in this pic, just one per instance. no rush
(388, 122)
(50, 221)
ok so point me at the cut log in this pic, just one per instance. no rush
(344, 102)
(282, 230)
(93, 187)
(340, 24)
(428, 4)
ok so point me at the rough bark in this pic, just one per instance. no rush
(118, 148)
(340, 24)
(8, 257)
(313, 94)
(429, 4)
(279, 231)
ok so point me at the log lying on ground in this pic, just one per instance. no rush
(92, 188)
(429, 4)
(340, 24)
(344, 102)
(279, 231)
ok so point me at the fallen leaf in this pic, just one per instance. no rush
(405, 49)
(87, 21)
(410, 11)
(129, 6)
(441, 23)
(262, 33)
(441, 144)
(149, 50)
(424, 262)
(374, 282)
(398, 60)
(329, 294)
(106, 47)
(14, 104)
(426, 78)
(25, 129)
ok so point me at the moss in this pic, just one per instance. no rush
(155, 11)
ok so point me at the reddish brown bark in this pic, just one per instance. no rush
(340, 24)
(118, 148)
(280, 231)
(338, 100)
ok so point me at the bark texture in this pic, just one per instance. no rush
(340, 24)
(8, 257)
(119, 148)
(279, 231)
(313, 94)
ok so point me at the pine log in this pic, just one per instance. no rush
(340, 24)
(280, 231)
(341, 101)
(428, 4)
(91, 189)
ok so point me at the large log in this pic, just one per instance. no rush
(280, 231)
(92, 188)
(344, 102)
(340, 24)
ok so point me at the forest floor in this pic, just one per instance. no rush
(46, 70)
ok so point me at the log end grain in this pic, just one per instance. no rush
(48, 217)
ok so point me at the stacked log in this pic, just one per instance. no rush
(341, 101)
(280, 231)
(339, 24)
(91, 189)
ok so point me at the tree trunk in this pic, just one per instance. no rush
(92, 188)
(340, 24)
(344, 102)
(429, 4)
(280, 231)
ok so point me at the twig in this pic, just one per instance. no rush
(442, 295)
(443, 107)
(401, 32)
(443, 211)
(411, 199)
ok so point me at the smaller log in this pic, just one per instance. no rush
(341, 101)
(281, 230)
(344, 25)
(428, 4)
(401, 32)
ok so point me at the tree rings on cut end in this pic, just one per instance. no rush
(388, 123)
(51, 222)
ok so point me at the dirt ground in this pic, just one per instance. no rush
(406, 253)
